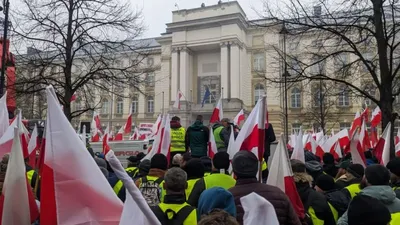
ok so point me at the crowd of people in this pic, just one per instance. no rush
(192, 188)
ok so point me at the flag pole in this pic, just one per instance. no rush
(261, 136)
(162, 102)
(222, 98)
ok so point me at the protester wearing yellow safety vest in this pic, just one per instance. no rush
(32, 175)
(375, 184)
(196, 185)
(367, 210)
(174, 209)
(178, 133)
(394, 168)
(352, 178)
(220, 176)
(222, 133)
(315, 204)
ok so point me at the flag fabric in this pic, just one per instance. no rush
(365, 115)
(365, 143)
(212, 146)
(166, 138)
(105, 139)
(135, 135)
(177, 103)
(298, 151)
(74, 194)
(382, 149)
(356, 124)
(157, 143)
(258, 210)
(120, 135)
(239, 118)
(156, 126)
(231, 144)
(281, 176)
(32, 146)
(128, 124)
(342, 137)
(95, 127)
(17, 202)
(337, 153)
(217, 114)
(316, 149)
(397, 150)
(376, 117)
(4, 121)
(357, 154)
(73, 98)
(207, 94)
(397, 138)
(374, 136)
(7, 139)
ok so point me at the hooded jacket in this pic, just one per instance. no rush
(383, 193)
(396, 188)
(216, 198)
(346, 180)
(197, 139)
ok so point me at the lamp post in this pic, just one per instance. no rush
(6, 5)
(285, 75)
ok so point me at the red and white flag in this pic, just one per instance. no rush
(135, 135)
(177, 103)
(239, 118)
(156, 126)
(95, 127)
(212, 145)
(356, 124)
(7, 139)
(32, 147)
(73, 98)
(298, 151)
(281, 176)
(120, 135)
(376, 117)
(342, 137)
(365, 143)
(365, 114)
(17, 202)
(79, 194)
(218, 113)
(128, 124)
(382, 149)
(166, 138)
(105, 139)
(4, 121)
(397, 138)
(316, 149)
(159, 138)
(337, 154)
(357, 155)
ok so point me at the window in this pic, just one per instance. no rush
(213, 85)
(258, 92)
(317, 97)
(150, 104)
(295, 98)
(318, 67)
(120, 106)
(105, 106)
(371, 90)
(296, 128)
(343, 126)
(135, 104)
(259, 62)
(150, 79)
(341, 61)
(344, 97)
(294, 67)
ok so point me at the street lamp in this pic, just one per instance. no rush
(285, 75)
(6, 5)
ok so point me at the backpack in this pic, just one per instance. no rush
(151, 190)
(177, 218)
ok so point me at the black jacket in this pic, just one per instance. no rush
(197, 139)
(269, 138)
(226, 135)
(330, 169)
(339, 200)
(396, 188)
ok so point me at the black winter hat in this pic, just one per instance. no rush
(328, 158)
(245, 164)
(394, 166)
(159, 161)
(194, 169)
(356, 170)
(144, 166)
(221, 161)
(325, 182)
(366, 210)
(298, 166)
(377, 175)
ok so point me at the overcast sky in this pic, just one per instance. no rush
(157, 13)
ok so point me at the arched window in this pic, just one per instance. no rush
(135, 104)
(258, 92)
(120, 106)
(344, 96)
(105, 106)
(295, 97)
(150, 104)
(317, 97)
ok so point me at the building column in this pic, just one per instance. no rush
(235, 70)
(224, 69)
(174, 73)
(185, 73)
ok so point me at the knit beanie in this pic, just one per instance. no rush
(245, 164)
(377, 175)
(221, 161)
(394, 166)
(194, 169)
(298, 166)
(216, 198)
(159, 161)
(356, 170)
(144, 166)
(325, 182)
(366, 210)
(328, 158)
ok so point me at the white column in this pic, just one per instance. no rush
(174, 73)
(235, 70)
(184, 73)
(224, 68)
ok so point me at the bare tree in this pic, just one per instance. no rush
(83, 47)
(357, 40)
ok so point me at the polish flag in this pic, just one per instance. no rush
(120, 135)
(156, 126)
(281, 176)
(342, 137)
(166, 138)
(157, 143)
(135, 135)
(105, 139)
(239, 118)
(298, 151)
(7, 139)
(72, 194)
(376, 117)
(32, 146)
(95, 135)
(212, 146)
(364, 138)
(364, 114)
(397, 150)
(4, 121)
(357, 155)
(73, 98)
(128, 124)
(218, 113)
(356, 124)
(397, 138)
(96, 122)
(337, 154)
(316, 149)
(374, 137)
(177, 103)
(17, 202)
(382, 149)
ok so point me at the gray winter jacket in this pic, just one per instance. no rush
(385, 194)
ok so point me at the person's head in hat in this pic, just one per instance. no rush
(207, 163)
(194, 169)
(221, 162)
(325, 183)
(245, 165)
(144, 167)
(366, 210)
(159, 161)
(394, 167)
(343, 165)
(133, 161)
(355, 170)
(375, 175)
(225, 122)
(300, 172)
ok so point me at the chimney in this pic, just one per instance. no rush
(317, 11)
